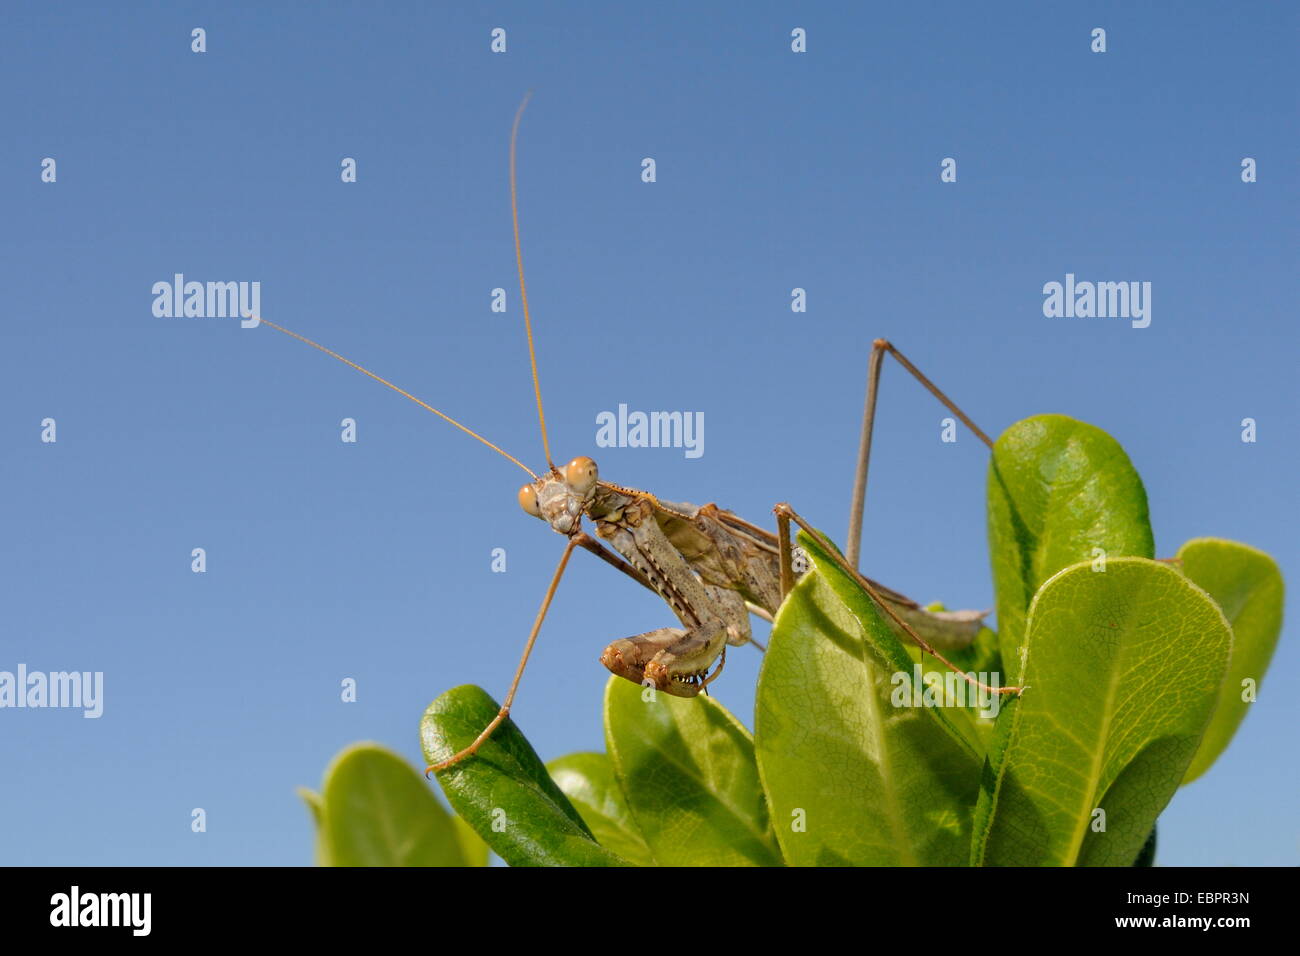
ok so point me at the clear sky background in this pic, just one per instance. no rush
(372, 560)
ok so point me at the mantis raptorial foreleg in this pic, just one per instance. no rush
(673, 660)
(589, 543)
(642, 657)
(613, 560)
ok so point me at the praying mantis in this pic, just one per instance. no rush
(711, 567)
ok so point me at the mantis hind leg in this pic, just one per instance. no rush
(879, 348)
(785, 514)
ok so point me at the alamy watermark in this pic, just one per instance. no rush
(84, 689)
(75, 908)
(947, 689)
(1101, 300)
(651, 430)
(179, 299)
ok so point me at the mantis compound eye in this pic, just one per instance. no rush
(528, 501)
(580, 474)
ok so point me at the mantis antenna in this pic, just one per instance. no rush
(528, 327)
(523, 288)
(399, 391)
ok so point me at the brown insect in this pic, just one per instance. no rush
(711, 567)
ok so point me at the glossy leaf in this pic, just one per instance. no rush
(504, 791)
(980, 658)
(686, 769)
(587, 779)
(472, 846)
(378, 811)
(1247, 585)
(1123, 669)
(851, 779)
(1058, 490)
(316, 805)
(1147, 855)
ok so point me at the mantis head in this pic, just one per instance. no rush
(561, 496)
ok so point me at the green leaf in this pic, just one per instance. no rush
(1122, 669)
(686, 767)
(1147, 855)
(379, 812)
(1058, 489)
(317, 807)
(472, 846)
(850, 778)
(503, 791)
(1248, 586)
(980, 657)
(587, 779)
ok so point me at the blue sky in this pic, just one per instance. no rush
(774, 171)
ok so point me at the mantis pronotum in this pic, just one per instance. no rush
(710, 566)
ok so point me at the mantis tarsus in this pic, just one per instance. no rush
(710, 566)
